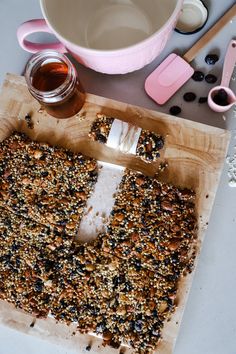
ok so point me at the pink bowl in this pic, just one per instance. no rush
(111, 37)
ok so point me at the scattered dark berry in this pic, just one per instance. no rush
(88, 348)
(211, 59)
(198, 76)
(189, 96)
(28, 117)
(175, 110)
(202, 100)
(32, 324)
(29, 121)
(210, 78)
(221, 98)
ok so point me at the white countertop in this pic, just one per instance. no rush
(209, 322)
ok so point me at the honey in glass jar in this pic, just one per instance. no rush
(52, 79)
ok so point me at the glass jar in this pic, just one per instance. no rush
(52, 79)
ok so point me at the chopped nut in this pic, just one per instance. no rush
(166, 205)
(90, 267)
(38, 154)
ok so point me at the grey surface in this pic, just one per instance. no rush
(209, 322)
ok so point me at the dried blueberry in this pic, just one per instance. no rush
(155, 313)
(28, 117)
(202, 100)
(159, 142)
(101, 138)
(138, 325)
(44, 173)
(38, 285)
(211, 59)
(210, 78)
(189, 96)
(49, 265)
(101, 327)
(175, 110)
(198, 76)
(115, 344)
(221, 98)
(137, 264)
(128, 286)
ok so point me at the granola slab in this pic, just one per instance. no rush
(49, 184)
(28, 262)
(152, 224)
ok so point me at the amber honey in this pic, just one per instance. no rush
(53, 81)
(50, 76)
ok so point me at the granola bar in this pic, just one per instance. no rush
(149, 143)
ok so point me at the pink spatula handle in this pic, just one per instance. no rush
(229, 63)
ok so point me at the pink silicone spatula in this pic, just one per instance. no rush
(174, 71)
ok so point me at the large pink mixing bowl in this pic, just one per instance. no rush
(109, 36)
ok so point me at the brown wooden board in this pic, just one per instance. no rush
(195, 154)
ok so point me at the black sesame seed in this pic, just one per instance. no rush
(210, 78)
(175, 110)
(198, 76)
(189, 96)
(211, 59)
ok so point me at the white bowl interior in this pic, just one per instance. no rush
(107, 24)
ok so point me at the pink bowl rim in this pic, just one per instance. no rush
(101, 52)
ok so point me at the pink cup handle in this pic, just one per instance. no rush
(32, 26)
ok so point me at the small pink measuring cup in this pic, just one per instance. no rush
(228, 69)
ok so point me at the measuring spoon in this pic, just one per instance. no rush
(221, 98)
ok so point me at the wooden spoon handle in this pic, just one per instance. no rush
(203, 41)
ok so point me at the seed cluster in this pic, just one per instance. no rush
(149, 146)
(123, 285)
(100, 128)
(48, 184)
